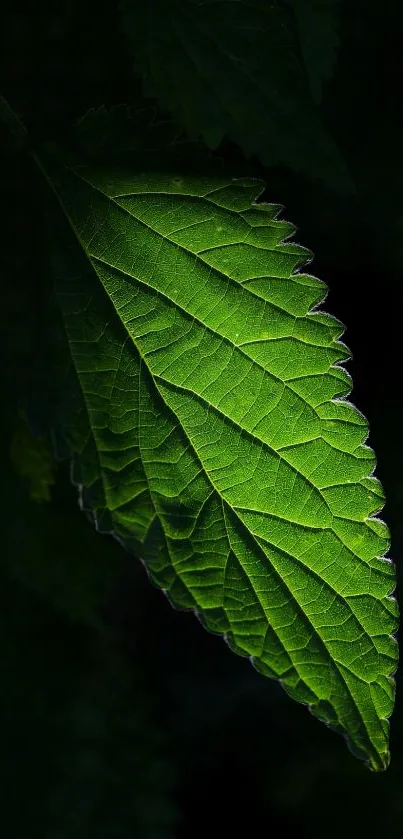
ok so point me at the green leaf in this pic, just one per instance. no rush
(231, 69)
(317, 23)
(210, 431)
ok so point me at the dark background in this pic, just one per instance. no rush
(119, 716)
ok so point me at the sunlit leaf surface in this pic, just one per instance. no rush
(209, 431)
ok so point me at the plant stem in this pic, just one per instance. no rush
(9, 118)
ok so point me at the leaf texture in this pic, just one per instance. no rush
(210, 431)
(230, 68)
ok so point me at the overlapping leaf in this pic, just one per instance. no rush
(212, 437)
(317, 23)
(231, 69)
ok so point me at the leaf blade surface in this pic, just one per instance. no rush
(218, 442)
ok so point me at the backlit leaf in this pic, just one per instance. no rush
(210, 432)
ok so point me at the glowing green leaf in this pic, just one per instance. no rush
(210, 432)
